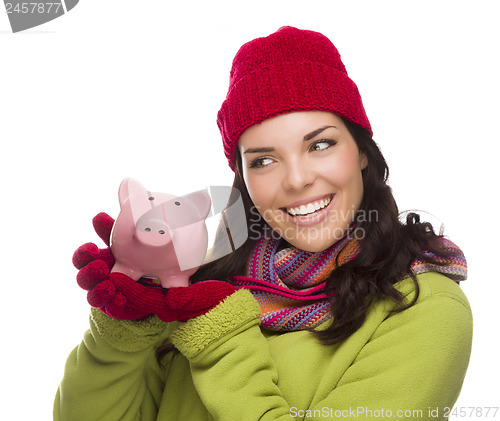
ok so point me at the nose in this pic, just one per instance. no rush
(298, 175)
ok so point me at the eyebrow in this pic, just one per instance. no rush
(307, 137)
(316, 132)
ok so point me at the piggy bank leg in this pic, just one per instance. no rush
(177, 280)
(120, 268)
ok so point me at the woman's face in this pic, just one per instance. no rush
(303, 174)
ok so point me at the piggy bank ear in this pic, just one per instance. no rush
(133, 197)
(201, 200)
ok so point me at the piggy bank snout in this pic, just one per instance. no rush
(152, 230)
(152, 226)
(155, 239)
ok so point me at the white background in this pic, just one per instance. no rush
(119, 88)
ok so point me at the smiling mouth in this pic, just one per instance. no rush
(309, 209)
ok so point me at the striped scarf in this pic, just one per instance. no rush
(290, 284)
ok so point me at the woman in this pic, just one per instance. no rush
(331, 309)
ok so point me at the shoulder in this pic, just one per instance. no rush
(440, 313)
(439, 324)
(433, 286)
(428, 343)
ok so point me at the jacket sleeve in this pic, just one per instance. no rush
(226, 348)
(112, 374)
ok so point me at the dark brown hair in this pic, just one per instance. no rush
(386, 251)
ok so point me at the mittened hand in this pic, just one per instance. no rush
(94, 266)
(120, 297)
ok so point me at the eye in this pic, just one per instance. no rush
(322, 144)
(177, 203)
(260, 162)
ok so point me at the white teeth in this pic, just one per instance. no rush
(309, 208)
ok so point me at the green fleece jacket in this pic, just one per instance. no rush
(406, 365)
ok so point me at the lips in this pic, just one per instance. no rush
(309, 208)
(310, 219)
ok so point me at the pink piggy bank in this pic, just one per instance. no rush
(158, 235)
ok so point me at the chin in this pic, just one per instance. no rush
(314, 241)
(311, 246)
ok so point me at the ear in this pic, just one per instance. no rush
(363, 160)
(129, 187)
(201, 200)
(133, 197)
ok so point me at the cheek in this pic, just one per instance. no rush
(259, 191)
(344, 172)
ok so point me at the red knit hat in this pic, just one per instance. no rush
(289, 70)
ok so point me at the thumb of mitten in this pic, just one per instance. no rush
(103, 225)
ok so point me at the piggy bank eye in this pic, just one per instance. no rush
(161, 232)
(177, 203)
(151, 198)
(147, 229)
